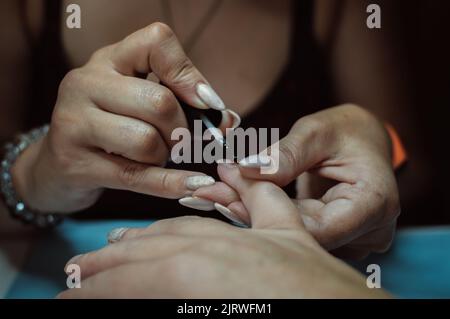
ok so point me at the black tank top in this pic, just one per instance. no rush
(303, 88)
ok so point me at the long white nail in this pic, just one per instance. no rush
(256, 161)
(197, 203)
(116, 234)
(195, 182)
(230, 215)
(210, 97)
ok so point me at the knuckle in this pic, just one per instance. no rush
(72, 81)
(311, 126)
(159, 32)
(181, 71)
(164, 103)
(101, 54)
(131, 174)
(148, 139)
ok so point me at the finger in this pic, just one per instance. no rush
(183, 226)
(156, 49)
(307, 144)
(268, 205)
(228, 198)
(116, 172)
(131, 250)
(127, 137)
(238, 208)
(105, 284)
(343, 214)
(142, 100)
(218, 193)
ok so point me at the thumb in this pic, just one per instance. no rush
(156, 49)
(306, 145)
(268, 204)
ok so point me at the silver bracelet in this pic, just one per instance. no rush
(16, 206)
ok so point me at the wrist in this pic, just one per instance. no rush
(15, 170)
(22, 173)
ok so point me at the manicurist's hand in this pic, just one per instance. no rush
(193, 257)
(346, 189)
(111, 128)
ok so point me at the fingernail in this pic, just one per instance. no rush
(200, 104)
(197, 203)
(230, 215)
(230, 116)
(116, 234)
(255, 161)
(195, 182)
(210, 97)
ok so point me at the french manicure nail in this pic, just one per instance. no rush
(195, 182)
(197, 203)
(256, 161)
(200, 104)
(116, 235)
(210, 97)
(230, 215)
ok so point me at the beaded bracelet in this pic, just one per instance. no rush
(16, 206)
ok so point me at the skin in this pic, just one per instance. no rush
(129, 169)
(110, 129)
(346, 190)
(86, 150)
(193, 257)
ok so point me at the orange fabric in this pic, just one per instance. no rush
(399, 155)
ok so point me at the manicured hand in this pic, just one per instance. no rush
(193, 257)
(346, 190)
(111, 128)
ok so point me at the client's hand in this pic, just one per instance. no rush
(111, 128)
(346, 190)
(192, 257)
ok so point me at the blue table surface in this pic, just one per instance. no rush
(417, 266)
